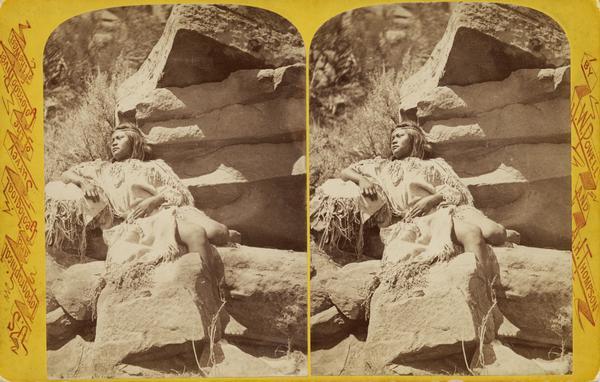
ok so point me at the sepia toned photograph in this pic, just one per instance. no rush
(175, 194)
(440, 192)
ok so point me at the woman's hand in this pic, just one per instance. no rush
(424, 205)
(90, 191)
(367, 188)
(145, 207)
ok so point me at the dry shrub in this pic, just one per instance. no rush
(363, 135)
(82, 133)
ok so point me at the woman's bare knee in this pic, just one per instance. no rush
(495, 234)
(193, 236)
(468, 234)
(218, 234)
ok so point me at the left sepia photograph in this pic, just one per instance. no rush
(175, 194)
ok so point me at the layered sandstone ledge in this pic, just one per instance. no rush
(494, 100)
(221, 98)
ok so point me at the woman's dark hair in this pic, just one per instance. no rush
(419, 141)
(139, 149)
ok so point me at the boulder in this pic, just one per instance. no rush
(224, 360)
(345, 358)
(433, 319)
(532, 161)
(73, 360)
(251, 161)
(546, 121)
(174, 304)
(128, 371)
(523, 86)
(76, 289)
(535, 294)
(279, 118)
(268, 212)
(507, 39)
(500, 359)
(231, 361)
(322, 269)
(60, 327)
(203, 32)
(328, 325)
(559, 366)
(438, 366)
(351, 285)
(53, 271)
(524, 177)
(240, 87)
(546, 223)
(268, 293)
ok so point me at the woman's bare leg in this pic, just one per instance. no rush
(191, 233)
(194, 236)
(471, 238)
(493, 233)
(217, 233)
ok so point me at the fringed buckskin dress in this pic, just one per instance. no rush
(399, 184)
(149, 239)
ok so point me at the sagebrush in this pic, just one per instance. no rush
(365, 134)
(82, 133)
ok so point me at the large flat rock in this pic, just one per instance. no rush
(280, 118)
(506, 39)
(73, 360)
(251, 161)
(523, 86)
(350, 286)
(53, 271)
(242, 87)
(205, 43)
(158, 318)
(525, 187)
(546, 121)
(529, 162)
(268, 293)
(60, 327)
(233, 362)
(535, 293)
(500, 359)
(541, 212)
(322, 270)
(328, 326)
(345, 358)
(433, 319)
(75, 289)
(268, 212)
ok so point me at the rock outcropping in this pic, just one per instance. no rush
(221, 98)
(494, 99)
(350, 47)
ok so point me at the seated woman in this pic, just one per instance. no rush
(422, 201)
(149, 212)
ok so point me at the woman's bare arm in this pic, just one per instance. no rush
(69, 177)
(90, 191)
(146, 207)
(367, 187)
(424, 205)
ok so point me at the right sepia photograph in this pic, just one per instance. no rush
(440, 192)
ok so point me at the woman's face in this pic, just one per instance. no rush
(121, 146)
(401, 143)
